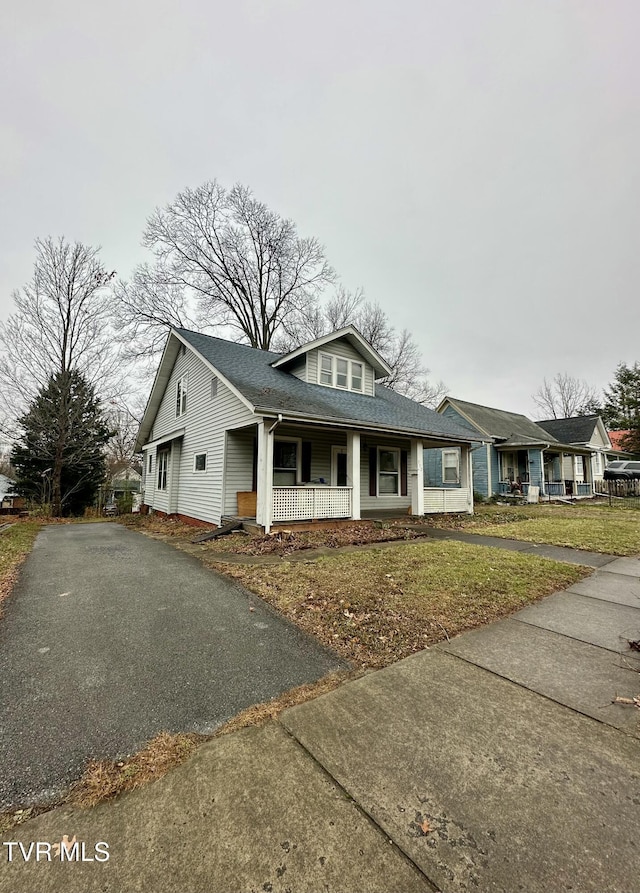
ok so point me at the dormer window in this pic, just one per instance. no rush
(339, 372)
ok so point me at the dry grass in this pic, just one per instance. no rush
(259, 714)
(15, 545)
(104, 779)
(376, 607)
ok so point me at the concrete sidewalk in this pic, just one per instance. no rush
(495, 762)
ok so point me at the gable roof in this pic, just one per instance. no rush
(350, 334)
(513, 427)
(575, 430)
(267, 390)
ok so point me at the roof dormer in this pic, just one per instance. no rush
(341, 360)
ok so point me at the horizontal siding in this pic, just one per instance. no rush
(453, 415)
(299, 368)
(495, 469)
(382, 503)
(199, 494)
(238, 470)
(480, 468)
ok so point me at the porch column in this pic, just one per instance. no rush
(466, 475)
(416, 473)
(353, 472)
(264, 507)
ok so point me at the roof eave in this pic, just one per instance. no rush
(271, 412)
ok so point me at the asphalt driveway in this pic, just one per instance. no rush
(111, 637)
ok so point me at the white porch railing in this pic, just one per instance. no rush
(446, 499)
(584, 488)
(309, 503)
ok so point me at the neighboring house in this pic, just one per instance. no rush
(517, 454)
(125, 478)
(587, 431)
(232, 431)
(617, 438)
(9, 500)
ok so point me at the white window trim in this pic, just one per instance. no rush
(334, 364)
(298, 441)
(456, 453)
(389, 473)
(206, 462)
(162, 468)
(182, 386)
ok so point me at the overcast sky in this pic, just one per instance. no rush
(474, 165)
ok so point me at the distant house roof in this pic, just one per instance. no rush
(269, 390)
(576, 430)
(616, 438)
(512, 427)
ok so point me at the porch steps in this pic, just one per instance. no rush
(219, 531)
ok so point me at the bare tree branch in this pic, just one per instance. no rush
(565, 397)
(222, 258)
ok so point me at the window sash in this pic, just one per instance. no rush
(356, 376)
(388, 472)
(340, 372)
(162, 469)
(200, 462)
(451, 467)
(181, 396)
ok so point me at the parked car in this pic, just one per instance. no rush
(111, 508)
(622, 471)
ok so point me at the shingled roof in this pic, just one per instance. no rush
(576, 430)
(271, 390)
(502, 425)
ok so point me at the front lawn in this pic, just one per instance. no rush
(375, 607)
(608, 534)
(591, 526)
(15, 545)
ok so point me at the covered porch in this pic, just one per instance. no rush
(278, 472)
(553, 470)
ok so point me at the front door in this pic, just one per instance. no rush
(338, 466)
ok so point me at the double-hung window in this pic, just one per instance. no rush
(339, 372)
(286, 454)
(162, 463)
(181, 396)
(451, 466)
(388, 472)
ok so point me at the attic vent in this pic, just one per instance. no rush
(214, 387)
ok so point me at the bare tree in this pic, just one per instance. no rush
(409, 375)
(62, 323)
(222, 258)
(565, 397)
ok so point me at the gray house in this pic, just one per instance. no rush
(231, 431)
(516, 454)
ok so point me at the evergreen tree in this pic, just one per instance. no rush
(60, 455)
(622, 405)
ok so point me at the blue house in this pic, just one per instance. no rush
(511, 454)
